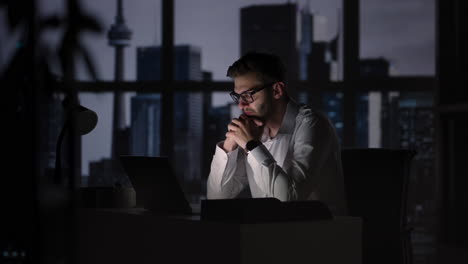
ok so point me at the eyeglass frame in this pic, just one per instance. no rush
(240, 97)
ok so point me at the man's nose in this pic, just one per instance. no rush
(242, 104)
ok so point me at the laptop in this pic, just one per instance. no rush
(156, 186)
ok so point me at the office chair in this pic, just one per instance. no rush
(376, 184)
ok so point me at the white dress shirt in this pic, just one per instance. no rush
(302, 162)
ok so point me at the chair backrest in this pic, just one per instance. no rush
(376, 185)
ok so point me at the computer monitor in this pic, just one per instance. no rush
(156, 186)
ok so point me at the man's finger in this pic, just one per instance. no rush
(237, 122)
(232, 127)
(245, 117)
(229, 134)
(257, 122)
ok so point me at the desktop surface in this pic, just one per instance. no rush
(136, 235)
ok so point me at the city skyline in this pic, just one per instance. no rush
(401, 31)
(89, 145)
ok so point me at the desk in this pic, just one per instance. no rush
(132, 236)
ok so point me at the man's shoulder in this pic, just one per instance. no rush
(307, 114)
(309, 118)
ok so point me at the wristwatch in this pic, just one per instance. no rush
(252, 144)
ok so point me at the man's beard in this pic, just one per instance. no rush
(262, 112)
(254, 114)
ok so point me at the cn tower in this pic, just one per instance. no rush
(119, 36)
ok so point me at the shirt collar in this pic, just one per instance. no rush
(289, 118)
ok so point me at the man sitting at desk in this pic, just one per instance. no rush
(277, 147)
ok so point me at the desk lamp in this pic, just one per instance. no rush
(85, 122)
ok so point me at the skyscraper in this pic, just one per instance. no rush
(273, 29)
(373, 68)
(305, 43)
(289, 32)
(146, 125)
(188, 113)
(318, 67)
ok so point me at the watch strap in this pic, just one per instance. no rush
(252, 144)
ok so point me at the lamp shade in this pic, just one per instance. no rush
(86, 120)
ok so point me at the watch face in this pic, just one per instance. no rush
(252, 144)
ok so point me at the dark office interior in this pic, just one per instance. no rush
(53, 131)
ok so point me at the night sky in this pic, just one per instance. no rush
(401, 31)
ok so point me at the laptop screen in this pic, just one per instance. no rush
(156, 186)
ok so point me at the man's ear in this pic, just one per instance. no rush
(278, 90)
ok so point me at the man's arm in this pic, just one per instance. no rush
(227, 176)
(301, 173)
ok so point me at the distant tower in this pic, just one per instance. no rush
(119, 36)
(108, 172)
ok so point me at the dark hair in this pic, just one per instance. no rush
(267, 67)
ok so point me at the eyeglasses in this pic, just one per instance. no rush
(247, 96)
